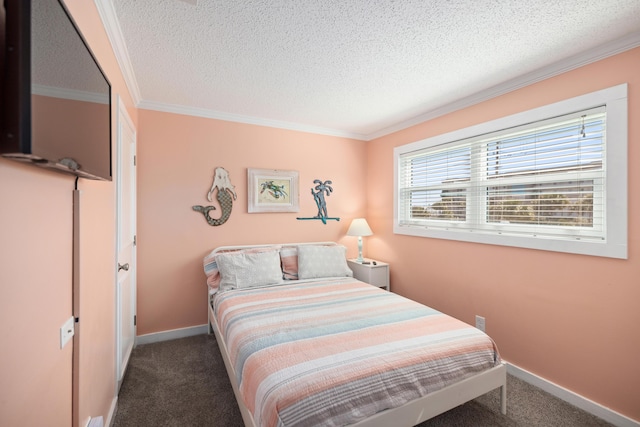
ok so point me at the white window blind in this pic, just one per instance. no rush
(543, 178)
(551, 178)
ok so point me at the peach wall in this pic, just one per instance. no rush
(35, 295)
(176, 158)
(97, 345)
(570, 319)
(36, 278)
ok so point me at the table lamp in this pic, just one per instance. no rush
(359, 227)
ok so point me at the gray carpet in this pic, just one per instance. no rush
(184, 383)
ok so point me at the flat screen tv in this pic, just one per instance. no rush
(56, 100)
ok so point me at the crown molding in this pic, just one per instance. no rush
(112, 27)
(229, 117)
(593, 55)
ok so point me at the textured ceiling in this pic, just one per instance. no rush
(357, 68)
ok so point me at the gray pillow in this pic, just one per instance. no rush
(249, 269)
(322, 261)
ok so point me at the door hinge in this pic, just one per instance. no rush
(135, 320)
(134, 160)
(135, 240)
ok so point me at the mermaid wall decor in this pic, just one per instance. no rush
(226, 194)
(322, 189)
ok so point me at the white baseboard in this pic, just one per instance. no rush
(111, 417)
(575, 399)
(171, 335)
(100, 420)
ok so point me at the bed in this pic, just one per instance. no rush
(306, 344)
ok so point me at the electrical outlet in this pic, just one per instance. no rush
(480, 323)
(67, 331)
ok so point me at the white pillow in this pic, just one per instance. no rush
(322, 261)
(246, 270)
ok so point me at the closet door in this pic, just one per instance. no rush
(125, 241)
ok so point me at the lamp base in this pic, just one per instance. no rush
(360, 259)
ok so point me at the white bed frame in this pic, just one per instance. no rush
(411, 413)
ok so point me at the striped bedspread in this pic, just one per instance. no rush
(332, 352)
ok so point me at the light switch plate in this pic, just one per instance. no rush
(67, 331)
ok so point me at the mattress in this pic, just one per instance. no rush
(335, 351)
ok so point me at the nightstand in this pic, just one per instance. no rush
(376, 275)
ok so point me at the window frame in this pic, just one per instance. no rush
(615, 220)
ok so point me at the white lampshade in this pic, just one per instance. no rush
(359, 227)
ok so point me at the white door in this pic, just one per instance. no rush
(125, 240)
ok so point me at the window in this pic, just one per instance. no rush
(553, 178)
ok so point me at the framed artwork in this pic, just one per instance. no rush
(272, 190)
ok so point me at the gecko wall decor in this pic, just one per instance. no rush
(226, 194)
(322, 189)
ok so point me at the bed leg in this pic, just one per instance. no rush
(503, 399)
(209, 326)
